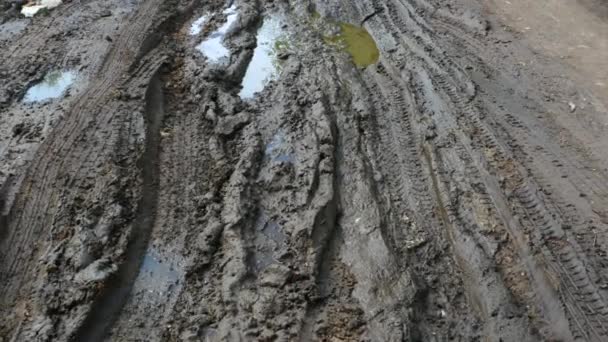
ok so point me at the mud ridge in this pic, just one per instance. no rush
(110, 301)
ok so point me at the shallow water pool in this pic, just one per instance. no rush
(53, 85)
(263, 66)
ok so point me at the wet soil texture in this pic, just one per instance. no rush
(395, 170)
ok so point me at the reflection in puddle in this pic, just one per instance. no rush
(54, 85)
(197, 25)
(278, 149)
(31, 9)
(213, 47)
(263, 65)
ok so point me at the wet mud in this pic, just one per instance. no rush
(336, 170)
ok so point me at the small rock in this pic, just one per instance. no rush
(105, 14)
(572, 107)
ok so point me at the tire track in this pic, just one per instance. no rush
(61, 158)
(474, 124)
(109, 303)
(41, 173)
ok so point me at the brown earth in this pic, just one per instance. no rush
(454, 190)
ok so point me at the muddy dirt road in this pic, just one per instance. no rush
(374, 170)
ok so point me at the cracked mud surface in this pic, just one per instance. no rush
(454, 189)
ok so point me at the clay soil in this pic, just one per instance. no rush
(455, 190)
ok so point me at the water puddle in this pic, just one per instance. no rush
(213, 47)
(278, 149)
(269, 241)
(264, 64)
(197, 25)
(11, 28)
(357, 42)
(272, 230)
(352, 39)
(53, 85)
(33, 7)
(158, 276)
